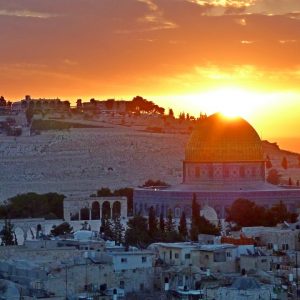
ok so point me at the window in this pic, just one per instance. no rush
(187, 256)
(228, 254)
(123, 260)
(144, 259)
(270, 246)
(177, 212)
(285, 246)
(176, 255)
(122, 284)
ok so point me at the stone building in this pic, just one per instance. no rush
(93, 209)
(224, 161)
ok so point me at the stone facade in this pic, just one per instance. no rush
(94, 208)
(224, 161)
(195, 173)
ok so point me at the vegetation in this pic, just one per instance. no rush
(141, 105)
(182, 226)
(40, 125)
(199, 223)
(7, 234)
(284, 163)
(62, 229)
(268, 163)
(151, 183)
(106, 228)
(273, 177)
(137, 232)
(118, 231)
(32, 205)
(245, 213)
(123, 192)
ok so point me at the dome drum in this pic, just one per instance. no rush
(196, 173)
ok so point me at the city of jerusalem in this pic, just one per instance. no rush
(149, 149)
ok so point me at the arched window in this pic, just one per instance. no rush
(157, 212)
(116, 209)
(85, 214)
(177, 212)
(106, 210)
(95, 211)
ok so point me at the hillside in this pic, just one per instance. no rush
(83, 160)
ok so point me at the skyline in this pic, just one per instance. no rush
(192, 55)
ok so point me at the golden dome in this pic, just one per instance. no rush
(220, 139)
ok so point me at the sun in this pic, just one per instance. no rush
(232, 102)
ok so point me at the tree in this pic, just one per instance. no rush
(268, 163)
(106, 228)
(273, 177)
(118, 231)
(182, 226)
(152, 222)
(137, 232)
(32, 205)
(170, 226)
(104, 192)
(195, 219)
(79, 104)
(161, 223)
(284, 163)
(150, 183)
(205, 227)
(279, 213)
(7, 234)
(63, 228)
(245, 213)
(171, 113)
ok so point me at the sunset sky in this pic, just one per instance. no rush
(192, 55)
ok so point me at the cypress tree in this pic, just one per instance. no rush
(152, 222)
(182, 226)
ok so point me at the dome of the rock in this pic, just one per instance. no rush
(220, 139)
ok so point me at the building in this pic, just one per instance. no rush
(217, 258)
(174, 254)
(93, 209)
(224, 161)
(40, 104)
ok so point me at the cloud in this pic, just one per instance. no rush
(235, 7)
(155, 18)
(26, 14)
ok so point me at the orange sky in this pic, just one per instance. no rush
(179, 53)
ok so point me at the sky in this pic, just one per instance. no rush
(240, 56)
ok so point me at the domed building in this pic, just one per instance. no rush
(222, 150)
(224, 161)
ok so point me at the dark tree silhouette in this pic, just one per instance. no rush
(137, 232)
(284, 163)
(273, 177)
(152, 222)
(182, 226)
(63, 228)
(161, 223)
(268, 163)
(7, 234)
